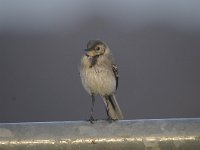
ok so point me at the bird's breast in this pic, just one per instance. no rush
(98, 80)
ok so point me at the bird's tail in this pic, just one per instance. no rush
(113, 109)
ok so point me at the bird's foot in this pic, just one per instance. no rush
(91, 119)
(110, 120)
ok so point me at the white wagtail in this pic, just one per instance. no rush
(99, 76)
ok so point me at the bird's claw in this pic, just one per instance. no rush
(110, 120)
(92, 119)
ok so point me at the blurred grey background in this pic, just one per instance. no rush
(156, 45)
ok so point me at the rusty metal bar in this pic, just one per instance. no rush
(156, 134)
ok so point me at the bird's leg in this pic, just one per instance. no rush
(107, 109)
(109, 118)
(92, 109)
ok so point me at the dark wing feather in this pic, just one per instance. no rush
(115, 71)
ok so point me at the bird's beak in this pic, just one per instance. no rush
(86, 49)
(90, 52)
(86, 52)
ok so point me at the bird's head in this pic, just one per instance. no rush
(96, 48)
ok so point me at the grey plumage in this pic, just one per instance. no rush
(99, 76)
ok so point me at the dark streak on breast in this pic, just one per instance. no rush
(93, 60)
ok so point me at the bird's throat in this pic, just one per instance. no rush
(93, 60)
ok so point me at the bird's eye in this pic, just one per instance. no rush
(97, 48)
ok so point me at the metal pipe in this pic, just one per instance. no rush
(162, 134)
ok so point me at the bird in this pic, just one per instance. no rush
(99, 76)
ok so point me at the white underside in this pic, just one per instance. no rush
(98, 80)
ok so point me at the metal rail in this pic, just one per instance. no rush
(162, 134)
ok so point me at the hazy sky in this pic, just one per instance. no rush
(48, 15)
